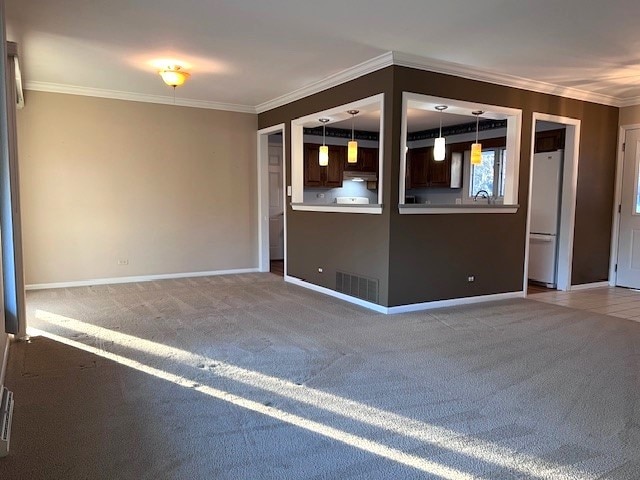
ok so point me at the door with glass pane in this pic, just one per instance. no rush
(629, 239)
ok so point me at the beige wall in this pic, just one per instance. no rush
(170, 189)
(630, 115)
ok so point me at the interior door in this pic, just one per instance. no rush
(276, 205)
(629, 238)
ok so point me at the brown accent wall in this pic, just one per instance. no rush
(354, 243)
(429, 257)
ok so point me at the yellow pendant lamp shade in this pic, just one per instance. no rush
(439, 147)
(476, 154)
(323, 157)
(476, 148)
(352, 146)
(352, 152)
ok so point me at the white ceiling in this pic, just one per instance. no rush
(248, 52)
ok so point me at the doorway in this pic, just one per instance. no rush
(627, 265)
(271, 200)
(551, 205)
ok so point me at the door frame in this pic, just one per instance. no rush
(263, 194)
(568, 196)
(615, 227)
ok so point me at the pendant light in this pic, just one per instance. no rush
(352, 150)
(439, 149)
(323, 157)
(476, 148)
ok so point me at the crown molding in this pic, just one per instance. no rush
(506, 80)
(364, 68)
(135, 97)
(630, 102)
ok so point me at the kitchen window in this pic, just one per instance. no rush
(488, 178)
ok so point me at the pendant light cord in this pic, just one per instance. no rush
(477, 125)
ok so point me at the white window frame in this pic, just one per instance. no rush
(297, 158)
(467, 175)
(514, 130)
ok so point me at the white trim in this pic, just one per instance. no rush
(628, 102)
(568, 195)
(333, 293)
(135, 97)
(335, 208)
(413, 307)
(297, 152)
(514, 129)
(5, 359)
(588, 286)
(497, 78)
(264, 254)
(344, 76)
(143, 278)
(421, 210)
(369, 66)
(615, 227)
(453, 302)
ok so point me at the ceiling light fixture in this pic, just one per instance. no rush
(323, 157)
(352, 150)
(174, 76)
(476, 148)
(439, 148)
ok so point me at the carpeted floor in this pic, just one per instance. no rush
(246, 377)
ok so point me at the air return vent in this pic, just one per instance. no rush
(6, 413)
(357, 286)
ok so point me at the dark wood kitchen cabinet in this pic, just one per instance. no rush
(549, 141)
(423, 171)
(367, 161)
(330, 176)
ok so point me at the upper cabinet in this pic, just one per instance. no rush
(550, 140)
(330, 176)
(367, 161)
(423, 171)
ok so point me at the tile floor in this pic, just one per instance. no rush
(614, 301)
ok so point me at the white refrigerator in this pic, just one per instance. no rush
(545, 207)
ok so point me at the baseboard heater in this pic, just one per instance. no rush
(6, 414)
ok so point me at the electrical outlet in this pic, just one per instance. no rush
(471, 278)
(320, 270)
(123, 261)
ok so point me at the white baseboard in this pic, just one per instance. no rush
(587, 286)
(5, 359)
(414, 307)
(144, 278)
(454, 302)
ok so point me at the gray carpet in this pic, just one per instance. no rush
(246, 377)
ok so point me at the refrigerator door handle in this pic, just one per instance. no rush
(541, 238)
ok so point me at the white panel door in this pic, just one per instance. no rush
(276, 204)
(629, 240)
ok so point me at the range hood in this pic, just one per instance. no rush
(360, 176)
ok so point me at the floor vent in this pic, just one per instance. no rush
(357, 286)
(6, 414)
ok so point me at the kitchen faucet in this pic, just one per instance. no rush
(485, 195)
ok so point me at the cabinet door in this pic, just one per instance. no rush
(549, 141)
(418, 167)
(440, 172)
(333, 172)
(312, 169)
(368, 159)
